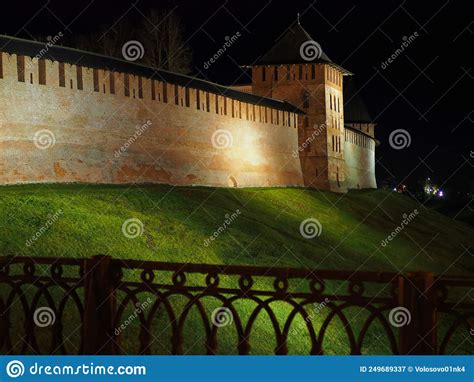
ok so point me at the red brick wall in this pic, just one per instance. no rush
(99, 137)
(322, 161)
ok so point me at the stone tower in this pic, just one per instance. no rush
(297, 70)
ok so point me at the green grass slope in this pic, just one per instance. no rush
(178, 220)
(264, 230)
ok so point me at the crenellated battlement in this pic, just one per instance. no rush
(71, 116)
(224, 101)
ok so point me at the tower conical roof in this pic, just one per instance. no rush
(296, 46)
(355, 109)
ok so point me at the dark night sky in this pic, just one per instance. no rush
(427, 90)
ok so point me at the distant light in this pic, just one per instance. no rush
(440, 193)
(395, 189)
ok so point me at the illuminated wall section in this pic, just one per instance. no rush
(89, 125)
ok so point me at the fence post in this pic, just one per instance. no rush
(417, 295)
(99, 306)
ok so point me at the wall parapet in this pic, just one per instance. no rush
(94, 119)
(92, 72)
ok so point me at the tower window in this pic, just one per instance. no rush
(313, 72)
(275, 74)
(264, 74)
(306, 100)
(300, 72)
(198, 100)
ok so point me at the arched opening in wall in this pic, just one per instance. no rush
(232, 182)
(337, 177)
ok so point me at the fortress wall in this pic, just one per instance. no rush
(359, 152)
(316, 89)
(96, 126)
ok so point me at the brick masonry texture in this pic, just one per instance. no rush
(329, 161)
(66, 123)
(101, 137)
